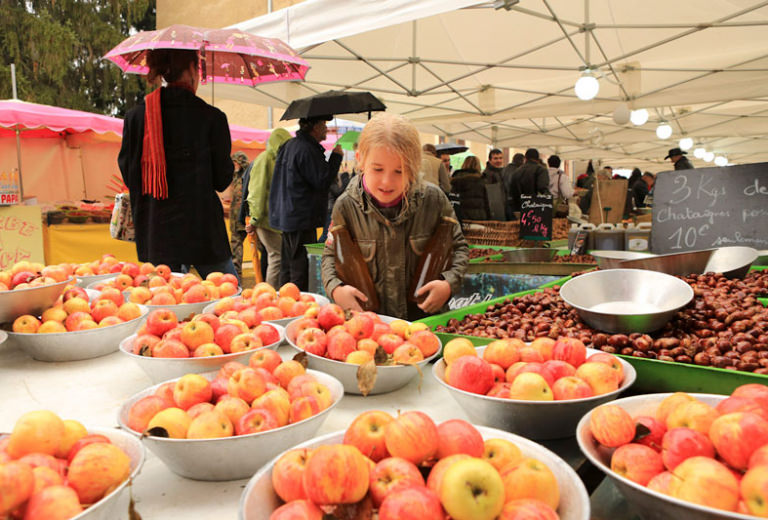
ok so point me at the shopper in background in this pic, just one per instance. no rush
(445, 157)
(392, 216)
(433, 169)
(532, 178)
(174, 157)
(679, 159)
(468, 187)
(259, 187)
(237, 232)
(559, 186)
(298, 198)
(509, 175)
(640, 189)
(629, 205)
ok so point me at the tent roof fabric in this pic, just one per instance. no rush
(503, 71)
(38, 121)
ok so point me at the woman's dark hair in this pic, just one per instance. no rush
(169, 63)
(636, 174)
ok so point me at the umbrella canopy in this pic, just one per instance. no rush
(348, 140)
(333, 102)
(451, 148)
(227, 55)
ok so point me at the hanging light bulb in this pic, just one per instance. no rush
(699, 152)
(685, 143)
(586, 86)
(708, 156)
(639, 117)
(721, 161)
(663, 131)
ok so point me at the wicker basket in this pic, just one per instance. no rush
(497, 233)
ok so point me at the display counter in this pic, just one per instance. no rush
(92, 391)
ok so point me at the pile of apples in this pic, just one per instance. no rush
(163, 336)
(73, 312)
(267, 393)
(157, 286)
(545, 370)
(107, 264)
(711, 456)
(50, 468)
(363, 337)
(271, 304)
(409, 468)
(24, 274)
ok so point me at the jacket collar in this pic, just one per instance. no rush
(410, 204)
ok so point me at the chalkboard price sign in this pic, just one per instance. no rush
(710, 207)
(536, 217)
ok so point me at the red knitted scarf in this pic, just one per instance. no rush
(153, 180)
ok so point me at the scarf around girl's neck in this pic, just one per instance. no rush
(153, 175)
(377, 201)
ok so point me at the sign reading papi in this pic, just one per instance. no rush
(710, 207)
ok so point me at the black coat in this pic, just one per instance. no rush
(298, 198)
(683, 164)
(187, 227)
(639, 191)
(470, 188)
(532, 178)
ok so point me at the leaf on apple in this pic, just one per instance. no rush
(302, 358)
(641, 431)
(132, 513)
(366, 377)
(380, 357)
(418, 369)
(157, 431)
(362, 510)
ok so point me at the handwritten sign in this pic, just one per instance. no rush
(710, 207)
(21, 235)
(536, 217)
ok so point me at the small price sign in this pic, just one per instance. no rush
(536, 217)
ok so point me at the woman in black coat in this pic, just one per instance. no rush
(467, 183)
(174, 157)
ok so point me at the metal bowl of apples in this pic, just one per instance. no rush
(649, 503)
(388, 377)
(319, 298)
(3, 336)
(259, 499)
(229, 458)
(626, 300)
(112, 505)
(163, 368)
(532, 418)
(32, 300)
(77, 345)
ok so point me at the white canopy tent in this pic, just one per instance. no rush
(502, 72)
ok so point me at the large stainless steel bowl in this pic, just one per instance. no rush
(77, 345)
(607, 259)
(626, 300)
(319, 298)
(650, 504)
(538, 420)
(733, 262)
(112, 506)
(676, 264)
(33, 300)
(259, 499)
(388, 378)
(531, 254)
(230, 458)
(162, 369)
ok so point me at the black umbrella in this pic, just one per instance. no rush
(333, 102)
(451, 148)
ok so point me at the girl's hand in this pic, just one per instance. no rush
(437, 293)
(347, 297)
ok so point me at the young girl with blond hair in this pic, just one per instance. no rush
(391, 216)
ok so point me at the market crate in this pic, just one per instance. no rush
(652, 375)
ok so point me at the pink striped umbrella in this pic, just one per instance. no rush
(227, 55)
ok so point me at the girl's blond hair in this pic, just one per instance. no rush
(397, 133)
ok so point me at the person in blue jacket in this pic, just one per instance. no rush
(298, 197)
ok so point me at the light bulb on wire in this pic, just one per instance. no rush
(586, 86)
(663, 131)
(639, 117)
(721, 160)
(685, 143)
(708, 156)
(699, 152)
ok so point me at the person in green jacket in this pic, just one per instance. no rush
(392, 215)
(258, 203)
